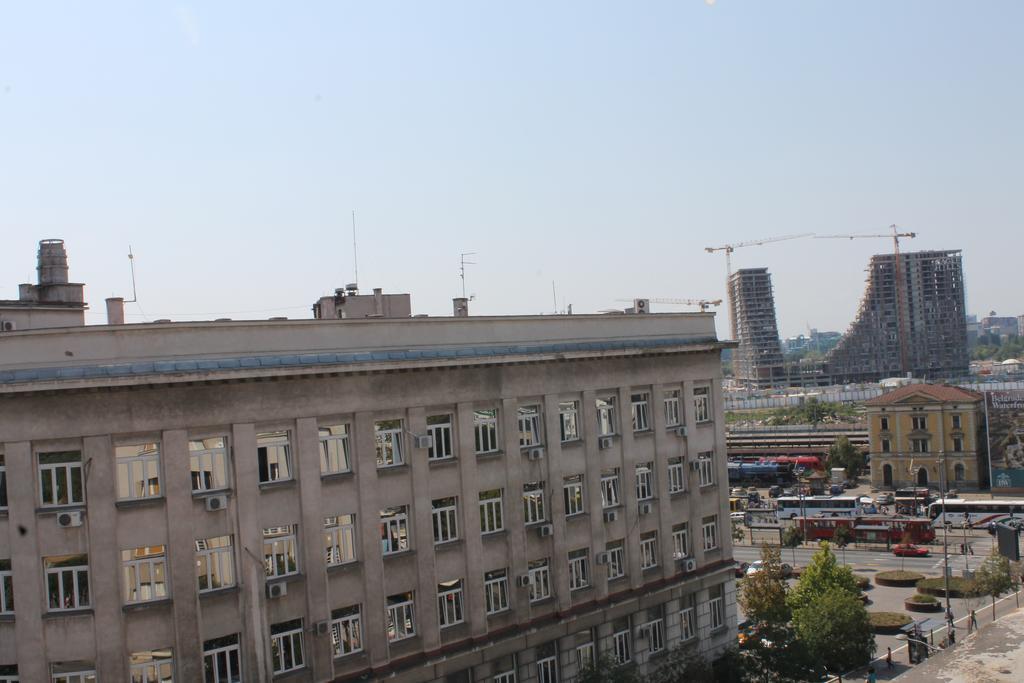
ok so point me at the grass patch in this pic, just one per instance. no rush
(898, 578)
(888, 622)
(923, 598)
(959, 586)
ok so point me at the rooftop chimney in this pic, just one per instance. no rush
(53, 263)
(115, 310)
(460, 305)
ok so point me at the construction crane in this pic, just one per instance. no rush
(900, 314)
(701, 303)
(729, 248)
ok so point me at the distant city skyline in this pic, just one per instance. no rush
(587, 145)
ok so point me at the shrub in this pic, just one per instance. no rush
(897, 578)
(888, 622)
(862, 581)
(959, 587)
(923, 598)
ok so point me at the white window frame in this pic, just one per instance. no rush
(221, 557)
(540, 580)
(645, 481)
(69, 468)
(77, 574)
(445, 517)
(673, 418)
(585, 655)
(687, 623)
(281, 442)
(224, 653)
(529, 426)
(605, 415)
(616, 560)
(621, 647)
(640, 407)
(388, 443)
(579, 569)
(496, 591)
(279, 545)
(956, 421)
(656, 635)
(335, 449)
(919, 423)
(547, 670)
(533, 502)
(394, 530)
(706, 469)
(450, 604)
(145, 462)
(676, 475)
(287, 641)
(135, 569)
(610, 489)
(485, 431)
(716, 611)
(572, 493)
(709, 532)
(6, 588)
(207, 462)
(649, 550)
(439, 428)
(156, 666)
(505, 677)
(702, 404)
(569, 421)
(340, 540)
(681, 541)
(492, 511)
(920, 445)
(76, 675)
(400, 618)
(347, 631)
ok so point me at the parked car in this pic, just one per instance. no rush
(909, 550)
(737, 516)
(751, 490)
(738, 491)
(774, 491)
(836, 489)
(741, 569)
(884, 499)
(789, 491)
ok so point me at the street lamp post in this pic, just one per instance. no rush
(945, 535)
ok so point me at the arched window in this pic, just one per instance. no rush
(922, 477)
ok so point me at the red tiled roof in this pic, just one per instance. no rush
(938, 392)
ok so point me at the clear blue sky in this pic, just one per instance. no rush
(601, 145)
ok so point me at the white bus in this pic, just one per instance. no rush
(977, 513)
(817, 506)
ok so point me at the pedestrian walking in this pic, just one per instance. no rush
(888, 659)
(872, 678)
(952, 634)
(973, 623)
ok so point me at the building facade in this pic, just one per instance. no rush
(757, 361)
(424, 499)
(928, 435)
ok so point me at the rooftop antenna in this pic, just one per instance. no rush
(462, 268)
(355, 250)
(554, 296)
(131, 264)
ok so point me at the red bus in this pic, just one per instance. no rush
(869, 528)
(809, 462)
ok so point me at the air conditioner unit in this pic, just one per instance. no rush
(323, 628)
(604, 442)
(545, 530)
(641, 305)
(688, 564)
(277, 589)
(70, 519)
(524, 581)
(215, 503)
(682, 431)
(611, 515)
(424, 441)
(645, 508)
(535, 453)
(8, 326)
(602, 558)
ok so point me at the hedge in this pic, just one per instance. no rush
(888, 622)
(959, 586)
(898, 578)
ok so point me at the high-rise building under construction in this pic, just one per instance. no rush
(757, 361)
(912, 319)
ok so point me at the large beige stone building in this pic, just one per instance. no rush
(425, 499)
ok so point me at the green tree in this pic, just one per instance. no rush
(763, 594)
(681, 664)
(791, 538)
(993, 578)
(737, 530)
(605, 670)
(820, 575)
(843, 454)
(842, 537)
(835, 629)
(774, 654)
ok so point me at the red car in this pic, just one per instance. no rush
(909, 550)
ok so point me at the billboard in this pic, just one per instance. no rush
(1004, 413)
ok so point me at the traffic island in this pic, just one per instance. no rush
(922, 603)
(888, 623)
(959, 587)
(899, 579)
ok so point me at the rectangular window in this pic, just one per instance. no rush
(387, 435)
(639, 406)
(644, 481)
(649, 550)
(215, 563)
(67, 582)
(439, 427)
(394, 529)
(610, 488)
(681, 541)
(709, 529)
(585, 655)
(706, 468)
(505, 677)
(958, 444)
(449, 603)
(77, 672)
(274, 452)
(529, 426)
(279, 555)
(579, 569)
(616, 560)
(886, 446)
(716, 607)
(151, 666)
(335, 456)
(138, 471)
(445, 516)
(620, 646)
(222, 660)
(485, 430)
(956, 422)
(6, 588)
(340, 539)
(547, 670)
(606, 416)
(496, 591)
(491, 514)
(3, 483)
(145, 573)
(572, 490)
(672, 416)
(655, 632)
(568, 418)
(208, 460)
(688, 620)
(533, 502)
(676, 475)
(540, 580)
(919, 445)
(702, 404)
(60, 478)
(346, 631)
(920, 423)
(401, 622)
(884, 424)
(286, 646)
